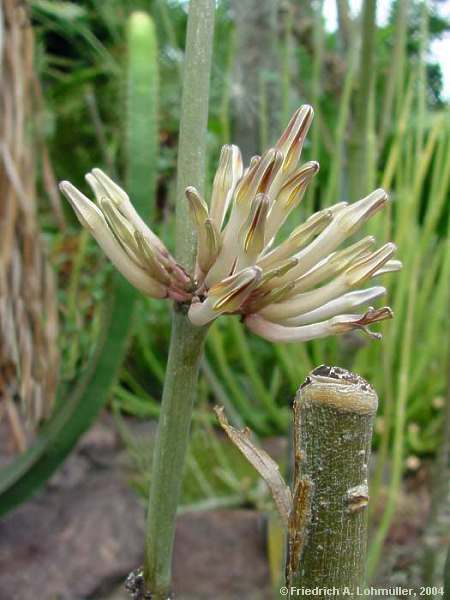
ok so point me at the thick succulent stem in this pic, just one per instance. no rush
(333, 418)
(186, 343)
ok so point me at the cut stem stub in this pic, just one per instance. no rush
(333, 419)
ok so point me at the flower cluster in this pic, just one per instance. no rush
(296, 289)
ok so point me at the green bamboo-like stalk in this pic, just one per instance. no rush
(358, 145)
(422, 78)
(335, 185)
(186, 343)
(345, 24)
(286, 56)
(394, 88)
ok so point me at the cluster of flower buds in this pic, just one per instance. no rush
(297, 289)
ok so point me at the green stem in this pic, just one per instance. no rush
(194, 121)
(345, 25)
(170, 451)
(394, 86)
(186, 344)
(422, 78)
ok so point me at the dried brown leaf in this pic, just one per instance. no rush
(263, 463)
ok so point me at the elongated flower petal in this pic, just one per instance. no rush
(298, 239)
(227, 175)
(333, 264)
(260, 298)
(259, 177)
(273, 332)
(104, 186)
(252, 233)
(370, 264)
(149, 259)
(289, 197)
(307, 301)
(339, 306)
(226, 296)
(123, 231)
(335, 326)
(278, 271)
(92, 218)
(197, 206)
(345, 223)
(390, 267)
(208, 238)
(291, 141)
(213, 244)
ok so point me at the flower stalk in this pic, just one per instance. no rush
(186, 344)
(186, 347)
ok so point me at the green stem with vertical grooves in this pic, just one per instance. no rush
(358, 145)
(186, 343)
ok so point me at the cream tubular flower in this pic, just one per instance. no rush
(305, 286)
